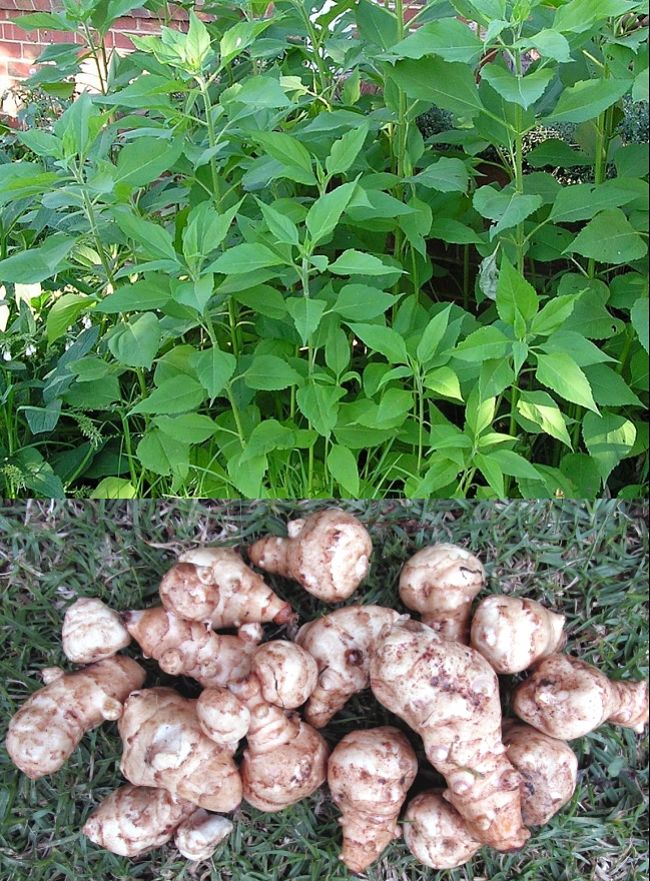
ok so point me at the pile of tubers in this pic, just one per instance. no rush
(439, 675)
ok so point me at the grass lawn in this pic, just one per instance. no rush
(587, 560)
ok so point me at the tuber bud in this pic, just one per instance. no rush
(440, 582)
(513, 633)
(327, 553)
(222, 717)
(567, 698)
(92, 632)
(198, 837)
(286, 672)
(369, 774)
(436, 834)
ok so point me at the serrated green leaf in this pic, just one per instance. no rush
(560, 373)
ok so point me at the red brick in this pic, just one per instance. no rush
(118, 40)
(149, 25)
(19, 69)
(11, 50)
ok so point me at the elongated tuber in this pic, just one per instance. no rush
(369, 774)
(285, 760)
(189, 648)
(341, 642)
(164, 746)
(327, 553)
(135, 819)
(49, 726)
(514, 633)
(436, 834)
(548, 768)
(449, 694)
(92, 631)
(567, 698)
(286, 672)
(440, 582)
(223, 717)
(215, 586)
(198, 837)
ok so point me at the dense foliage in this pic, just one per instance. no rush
(256, 274)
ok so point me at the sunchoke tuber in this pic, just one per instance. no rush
(92, 631)
(198, 837)
(215, 586)
(328, 553)
(440, 582)
(285, 760)
(449, 694)
(341, 643)
(135, 819)
(48, 727)
(222, 717)
(286, 672)
(436, 834)
(164, 746)
(548, 768)
(189, 648)
(567, 698)
(514, 633)
(369, 774)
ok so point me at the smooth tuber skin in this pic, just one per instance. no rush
(449, 694)
(164, 746)
(286, 672)
(548, 768)
(514, 633)
(198, 837)
(327, 553)
(49, 726)
(92, 631)
(341, 643)
(286, 759)
(189, 648)
(436, 834)
(215, 586)
(369, 774)
(440, 582)
(567, 698)
(135, 819)
(223, 717)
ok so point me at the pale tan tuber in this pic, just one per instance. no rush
(198, 837)
(215, 586)
(436, 834)
(223, 717)
(135, 819)
(49, 726)
(548, 768)
(369, 774)
(514, 633)
(190, 648)
(92, 631)
(440, 582)
(567, 698)
(164, 746)
(327, 553)
(449, 694)
(286, 672)
(285, 760)
(341, 643)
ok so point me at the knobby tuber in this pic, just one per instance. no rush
(440, 582)
(567, 698)
(222, 717)
(135, 819)
(369, 774)
(340, 642)
(189, 648)
(92, 631)
(285, 759)
(286, 672)
(514, 633)
(215, 586)
(436, 834)
(164, 746)
(449, 694)
(198, 837)
(48, 727)
(548, 768)
(327, 553)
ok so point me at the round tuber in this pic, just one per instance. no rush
(436, 834)
(286, 672)
(198, 837)
(92, 631)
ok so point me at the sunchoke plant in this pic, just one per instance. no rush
(250, 273)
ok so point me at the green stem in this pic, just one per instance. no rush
(519, 168)
(236, 415)
(92, 222)
(95, 55)
(600, 166)
(466, 277)
(212, 138)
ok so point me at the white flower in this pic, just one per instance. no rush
(30, 350)
(86, 321)
(6, 355)
(68, 344)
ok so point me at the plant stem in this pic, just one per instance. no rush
(92, 222)
(600, 165)
(212, 138)
(519, 168)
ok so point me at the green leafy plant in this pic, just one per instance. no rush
(257, 277)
